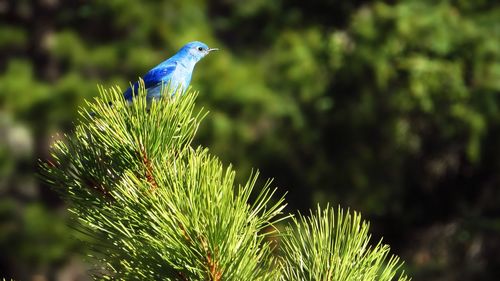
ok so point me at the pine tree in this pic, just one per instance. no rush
(153, 207)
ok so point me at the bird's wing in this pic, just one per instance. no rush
(154, 77)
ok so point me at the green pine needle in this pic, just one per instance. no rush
(153, 207)
(156, 207)
(325, 246)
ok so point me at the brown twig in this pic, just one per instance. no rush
(149, 170)
(184, 233)
(94, 185)
(213, 267)
(215, 273)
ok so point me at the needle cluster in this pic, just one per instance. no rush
(154, 207)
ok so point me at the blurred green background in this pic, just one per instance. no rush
(389, 107)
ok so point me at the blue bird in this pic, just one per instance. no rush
(174, 72)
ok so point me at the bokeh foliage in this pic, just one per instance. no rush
(390, 107)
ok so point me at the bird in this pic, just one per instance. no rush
(174, 73)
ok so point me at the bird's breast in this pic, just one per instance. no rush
(181, 77)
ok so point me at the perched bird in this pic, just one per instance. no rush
(174, 72)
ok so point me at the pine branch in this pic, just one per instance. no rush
(156, 207)
(325, 246)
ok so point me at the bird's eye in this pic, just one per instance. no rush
(200, 49)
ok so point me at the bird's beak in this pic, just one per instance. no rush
(213, 49)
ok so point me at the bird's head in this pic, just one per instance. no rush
(197, 50)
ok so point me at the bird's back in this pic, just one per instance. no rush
(157, 77)
(174, 73)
